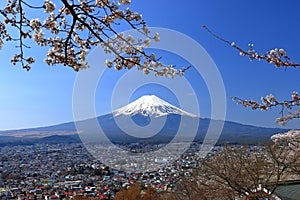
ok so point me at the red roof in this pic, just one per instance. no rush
(103, 197)
(53, 197)
(106, 188)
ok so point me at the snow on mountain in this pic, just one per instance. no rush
(151, 106)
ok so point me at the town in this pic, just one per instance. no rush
(58, 171)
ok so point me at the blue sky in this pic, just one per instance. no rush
(43, 96)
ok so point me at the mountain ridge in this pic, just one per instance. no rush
(150, 109)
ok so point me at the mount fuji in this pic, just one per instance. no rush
(145, 112)
(150, 106)
(149, 109)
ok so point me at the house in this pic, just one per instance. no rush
(288, 191)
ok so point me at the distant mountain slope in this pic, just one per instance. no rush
(145, 110)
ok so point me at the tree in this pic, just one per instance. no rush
(136, 191)
(70, 28)
(189, 189)
(239, 172)
(150, 194)
(292, 138)
(279, 58)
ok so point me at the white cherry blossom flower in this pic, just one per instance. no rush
(49, 6)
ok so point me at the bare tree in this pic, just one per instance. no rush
(292, 140)
(237, 172)
(70, 28)
(279, 58)
(188, 188)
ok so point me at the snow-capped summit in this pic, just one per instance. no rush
(152, 106)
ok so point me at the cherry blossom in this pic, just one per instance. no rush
(277, 57)
(270, 101)
(70, 29)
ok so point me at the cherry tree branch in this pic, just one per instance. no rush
(278, 58)
(71, 28)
